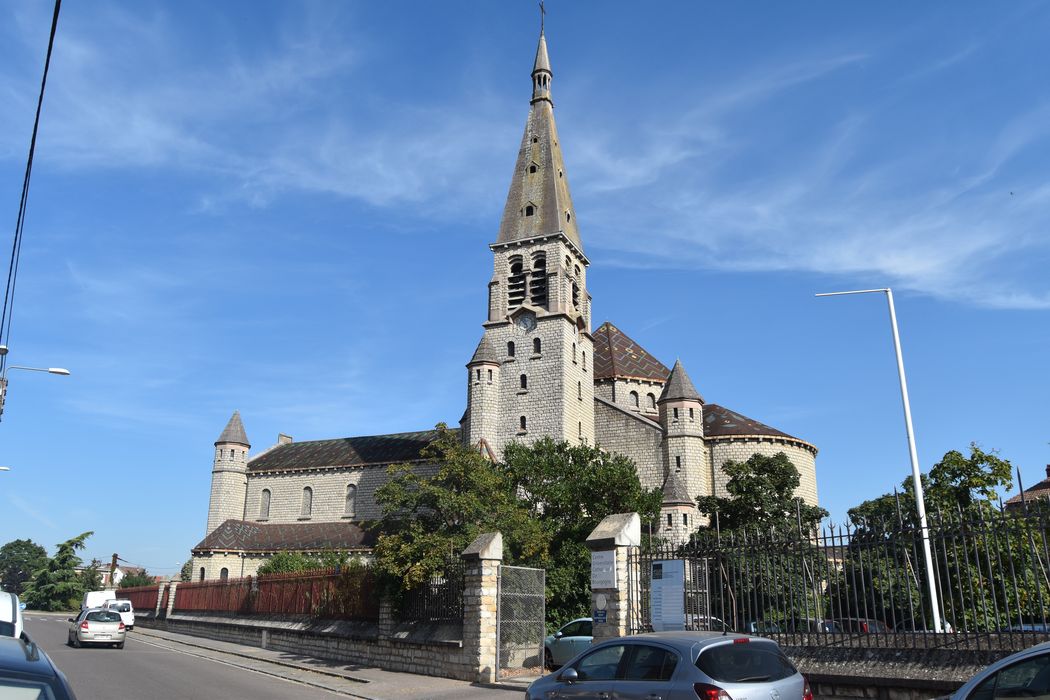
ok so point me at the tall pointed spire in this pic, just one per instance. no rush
(679, 386)
(234, 431)
(539, 203)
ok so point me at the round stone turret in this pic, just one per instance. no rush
(229, 474)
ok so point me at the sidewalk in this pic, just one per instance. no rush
(356, 681)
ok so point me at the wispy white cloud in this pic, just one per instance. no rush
(26, 508)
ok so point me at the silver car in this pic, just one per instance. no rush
(1025, 674)
(96, 626)
(677, 666)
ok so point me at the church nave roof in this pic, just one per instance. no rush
(616, 355)
(345, 452)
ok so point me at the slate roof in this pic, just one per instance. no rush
(484, 352)
(719, 421)
(345, 452)
(680, 386)
(616, 355)
(245, 536)
(675, 491)
(234, 431)
(1033, 493)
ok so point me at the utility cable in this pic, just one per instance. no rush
(16, 248)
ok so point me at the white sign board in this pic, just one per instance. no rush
(603, 569)
(667, 595)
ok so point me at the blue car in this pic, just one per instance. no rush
(567, 642)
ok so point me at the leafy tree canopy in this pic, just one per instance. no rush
(297, 562)
(431, 516)
(955, 483)
(136, 579)
(186, 572)
(58, 586)
(761, 496)
(19, 560)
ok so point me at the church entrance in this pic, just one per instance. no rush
(520, 621)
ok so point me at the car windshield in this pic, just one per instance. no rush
(744, 663)
(14, 689)
(103, 616)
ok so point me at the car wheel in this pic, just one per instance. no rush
(69, 640)
(76, 642)
(548, 660)
(119, 645)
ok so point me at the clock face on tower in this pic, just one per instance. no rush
(527, 322)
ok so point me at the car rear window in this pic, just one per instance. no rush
(103, 616)
(7, 629)
(747, 662)
(121, 607)
(17, 689)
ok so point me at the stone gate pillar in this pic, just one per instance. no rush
(611, 544)
(171, 597)
(481, 561)
(160, 599)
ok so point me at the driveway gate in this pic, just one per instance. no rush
(520, 620)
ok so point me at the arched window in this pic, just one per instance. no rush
(536, 345)
(575, 296)
(523, 381)
(202, 573)
(538, 283)
(510, 348)
(351, 500)
(523, 424)
(264, 504)
(224, 574)
(308, 502)
(652, 401)
(516, 283)
(634, 399)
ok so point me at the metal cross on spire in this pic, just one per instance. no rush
(543, 13)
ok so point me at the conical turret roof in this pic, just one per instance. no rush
(538, 202)
(485, 352)
(679, 386)
(234, 431)
(675, 491)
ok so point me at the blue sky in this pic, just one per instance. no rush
(284, 208)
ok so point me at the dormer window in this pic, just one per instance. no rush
(533, 168)
(535, 140)
(529, 210)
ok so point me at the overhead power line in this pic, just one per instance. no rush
(16, 247)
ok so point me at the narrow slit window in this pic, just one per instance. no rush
(690, 414)
(584, 361)
(523, 381)
(202, 573)
(523, 424)
(532, 168)
(579, 390)
(490, 376)
(536, 346)
(669, 520)
(264, 504)
(634, 399)
(530, 210)
(677, 463)
(652, 401)
(478, 375)
(350, 508)
(308, 502)
(510, 348)
(675, 413)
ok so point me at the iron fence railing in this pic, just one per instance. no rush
(864, 582)
(332, 593)
(438, 600)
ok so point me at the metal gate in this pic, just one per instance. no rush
(520, 620)
(700, 611)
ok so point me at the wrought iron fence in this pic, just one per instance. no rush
(866, 582)
(348, 594)
(438, 600)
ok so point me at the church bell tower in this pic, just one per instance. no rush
(539, 312)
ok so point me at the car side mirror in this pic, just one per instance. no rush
(559, 634)
(71, 619)
(569, 675)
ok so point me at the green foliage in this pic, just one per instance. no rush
(19, 560)
(569, 489)
(92, 576)
(186, 572)
(429, 516)
(57, 586)
(134, 580)
(762, 497)
(297, 562)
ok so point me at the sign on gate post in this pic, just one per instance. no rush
(667, 595)
(603, 569)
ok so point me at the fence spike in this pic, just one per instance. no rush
(1020, 487)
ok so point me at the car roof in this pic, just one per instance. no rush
(691, 637)
(20, 656)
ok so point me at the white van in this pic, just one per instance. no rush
(96, 599)
(11, 624)
(126, 610)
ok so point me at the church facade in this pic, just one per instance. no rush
(539, 370)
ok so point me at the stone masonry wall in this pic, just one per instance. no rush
(624, 433)
(740, 449)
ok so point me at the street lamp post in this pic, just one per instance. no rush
(920, 501)
(62, 371)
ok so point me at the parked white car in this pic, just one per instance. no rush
(125, 608)
(11, 624)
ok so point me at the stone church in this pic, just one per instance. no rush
(539, 370)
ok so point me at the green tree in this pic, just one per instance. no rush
(430, 516)
(136, 579)
(761, 497)
(289, 563)
(91, 576)
(569, 489)
(186, 572)
(19, 560)
(58, 586)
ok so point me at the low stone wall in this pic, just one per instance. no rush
(429, 649)
(893, 668)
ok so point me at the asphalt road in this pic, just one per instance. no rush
(145, 670)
